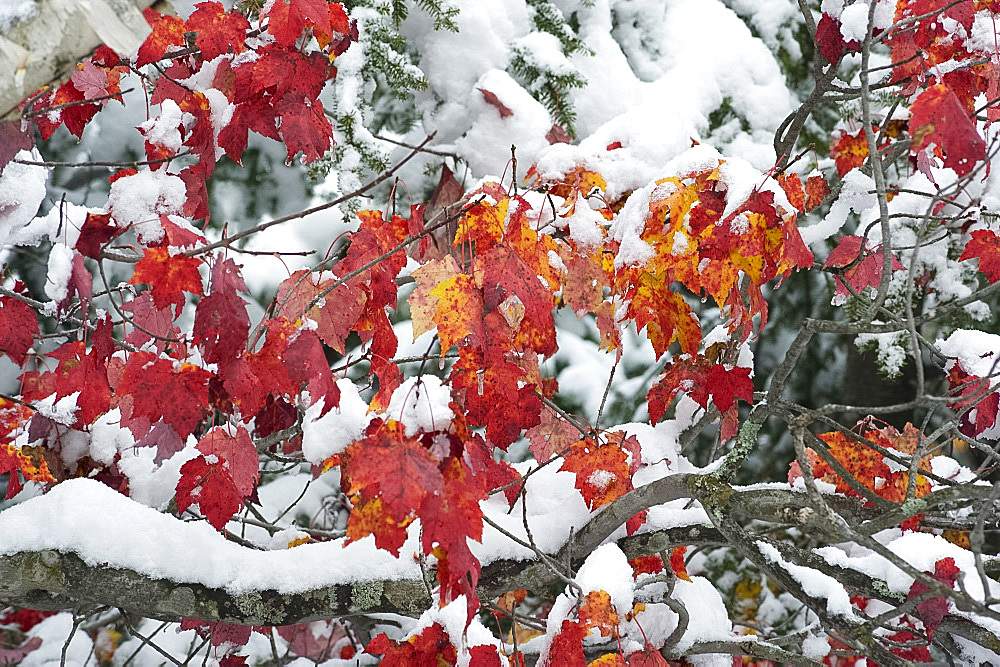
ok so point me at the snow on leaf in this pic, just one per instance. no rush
(602, 471)
(78, 371)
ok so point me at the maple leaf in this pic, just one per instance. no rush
(677, 563)
(397, 471)
(938, 117)
(218, 30)
(664, 315)
(492, 395)
(448, 519)
(566, 649)
(458, 306)
(98, 229)
(817, 190)
(221, 323)
(335, 314)
(550, 436)
(91, 80)
(168, 275)
(304, 127)
(15, 136)
(792, 185)
(849, 151)
(598, 612)
(18, 328)
(933, 610)
(506, 278)
(237, 454)
(207, 482)
(648, 657)
(156, 389)
(700, 378)
(148, 321)
(483, 224)
(602, 472)
(984, 245)
(431, 646)
(167, 31)
(495, 102)
(78, 371)
(646, 565)
(288, 18)
(830, 40)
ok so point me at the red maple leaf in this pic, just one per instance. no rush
(207, 482)
(448, 519)
(932, 610)
(792, 185)
(218, 30)
(167, 31)
(986, 246)
(304, 127)
(149, 321)
(700, 378)
(335, 314)
(431, 647)
(677, 563)
(817, 190)
(237, 453)
(78, 371)
(849, 150)
(830, 40)
(567, 646)
(495, 102)
(18, 328)
(491, 392)
(387, 464)
(221, 323)
(168, 275)
(153, 389)
(288, 18)
(98, 229)
(938, 117)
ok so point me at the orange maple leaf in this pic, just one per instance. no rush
(598, 612)
(168, 275)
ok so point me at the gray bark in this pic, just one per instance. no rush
(45, 46)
